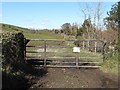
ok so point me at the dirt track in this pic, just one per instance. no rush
(75, 78)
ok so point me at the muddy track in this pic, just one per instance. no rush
(75, 78)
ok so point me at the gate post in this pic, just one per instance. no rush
(88, 45)
(104, 51)
(24, 49)
(45, 53)
(95, 46)
(83, 44)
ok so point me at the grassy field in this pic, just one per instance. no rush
(31, 34)
(42, 35)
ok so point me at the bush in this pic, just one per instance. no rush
(12, 51)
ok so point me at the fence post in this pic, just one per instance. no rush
(104, 51)
(83, 44)
(88, 45)
(44, 52)
(95, 46)
(24, 49)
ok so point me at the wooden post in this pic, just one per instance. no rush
(88, 44)
(83, 41)
(83, 45)
(24, 49)
(44, 52)
(95, 46)
(104, 49)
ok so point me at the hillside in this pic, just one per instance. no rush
(31, 34)
(9, 28)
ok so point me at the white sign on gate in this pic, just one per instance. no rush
(76, 49)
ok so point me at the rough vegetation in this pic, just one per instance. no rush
(13, 51)
(14, 67)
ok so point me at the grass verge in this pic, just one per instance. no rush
(110, 65)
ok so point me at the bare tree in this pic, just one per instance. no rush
(94, 13)
(98, 19)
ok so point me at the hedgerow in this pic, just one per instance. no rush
(13, 48)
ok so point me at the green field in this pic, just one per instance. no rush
(31, 34)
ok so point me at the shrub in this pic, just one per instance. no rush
(12, 51)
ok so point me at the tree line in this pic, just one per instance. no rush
(92, 30)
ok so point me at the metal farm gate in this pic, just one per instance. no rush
(65, 53)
